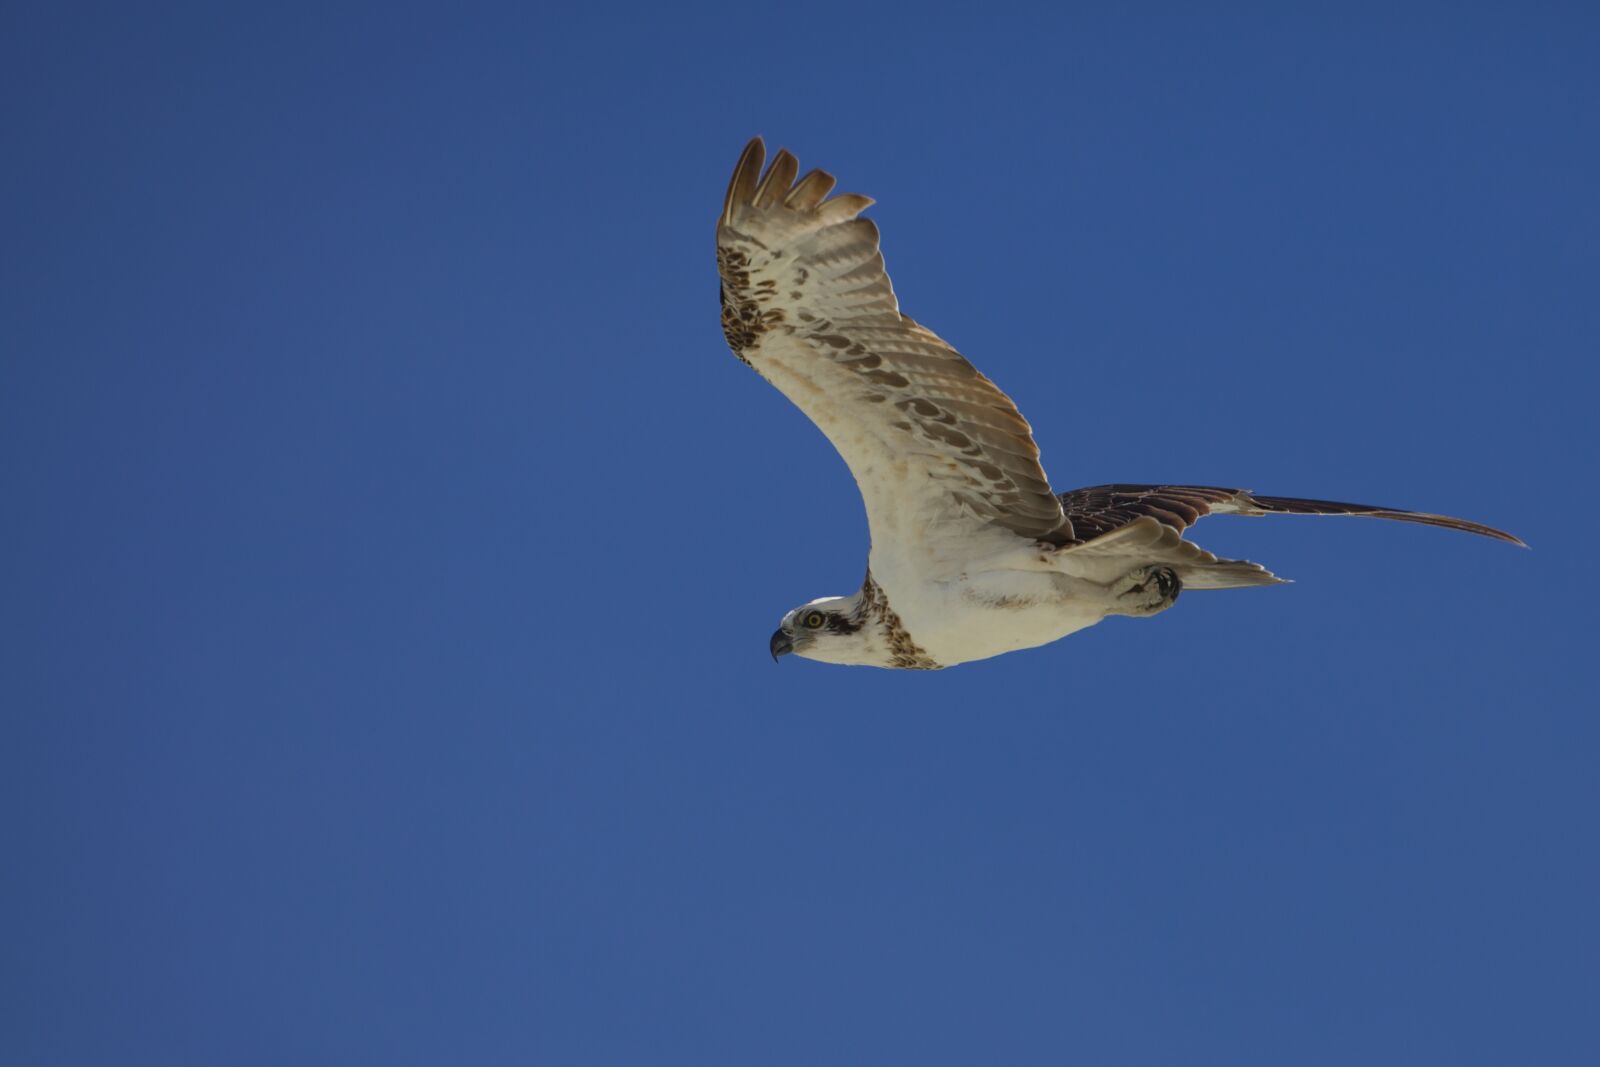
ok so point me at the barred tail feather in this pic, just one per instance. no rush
(1147, 540)
(1227, 574)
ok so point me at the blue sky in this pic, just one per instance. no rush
(391, 543)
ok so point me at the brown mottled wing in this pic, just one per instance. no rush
(1100, 509)
(939, 452)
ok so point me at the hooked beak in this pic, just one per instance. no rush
(781, 645)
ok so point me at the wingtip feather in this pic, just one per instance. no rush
(1298, 506)
(780, 175)
(742, 186)
(750, 188)
(844, 207)
(810, 191)
(1449, 522)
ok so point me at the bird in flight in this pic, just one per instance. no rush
(973, 553)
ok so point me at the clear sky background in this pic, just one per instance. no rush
(391, 543)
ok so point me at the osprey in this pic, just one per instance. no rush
(973, 554)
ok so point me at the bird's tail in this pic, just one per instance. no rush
(1145, 542)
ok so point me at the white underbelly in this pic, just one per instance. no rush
(975, 618)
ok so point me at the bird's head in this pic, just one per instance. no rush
(832, 630)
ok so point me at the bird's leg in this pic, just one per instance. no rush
(1145, 591)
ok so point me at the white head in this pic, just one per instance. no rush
(832, 629)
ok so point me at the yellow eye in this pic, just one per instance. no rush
(814, 620)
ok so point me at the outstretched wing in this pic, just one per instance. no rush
(940, 454)
(1101, 509)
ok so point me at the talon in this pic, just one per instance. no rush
(1152, 590)
(1168, 582)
